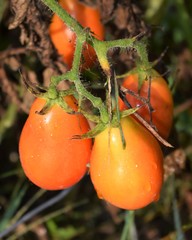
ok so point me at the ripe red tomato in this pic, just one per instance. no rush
(129, 178)
(64, 39)
(161, 101)
(50, 158)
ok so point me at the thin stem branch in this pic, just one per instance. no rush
(28, 205)
(69, 21)
(129, 230)
(146, 124)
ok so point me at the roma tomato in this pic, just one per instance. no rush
(64, 39)
(50, 158)
(129, 178)
(161, 101)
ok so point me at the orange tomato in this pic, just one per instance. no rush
(160, 98)
(50, 158)
(129, 178)
(64, 39)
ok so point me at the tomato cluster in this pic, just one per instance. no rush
(130, 176)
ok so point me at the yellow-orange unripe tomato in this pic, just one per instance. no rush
(160, 98)
(49, 155)
(64, 39)
(129, 178)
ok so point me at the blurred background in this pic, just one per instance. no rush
(27, 212)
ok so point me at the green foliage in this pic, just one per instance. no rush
(66, 233)
(7, 119)
(3, 4)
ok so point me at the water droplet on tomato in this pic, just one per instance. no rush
(100, 196)
(148, 187)
(154, 165)
(156, 197)
(113, 139)
(88, 165)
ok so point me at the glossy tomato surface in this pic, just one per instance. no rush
(50, 158)
(129, 178)
(160, 98)
(64, 39)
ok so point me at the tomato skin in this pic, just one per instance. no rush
(129, 178)
(161, 101)
(49, 157)
(64, 39)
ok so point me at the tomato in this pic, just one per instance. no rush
(64, 39)
(160, 98)
(50, 158)
(128, 178)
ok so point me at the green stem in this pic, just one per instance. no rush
(141, 49)
(73, 76)
(69, 21)
(96, 101)
(101, 51)
(24, 209)
(176, 215)
(118, 114)
(93, 132)
(129, 231)
(101, 48)
(121, 43)
(81, 39)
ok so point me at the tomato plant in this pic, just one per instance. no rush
(51, 159)
(130, 177)
(160, 99)
(64, 39)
